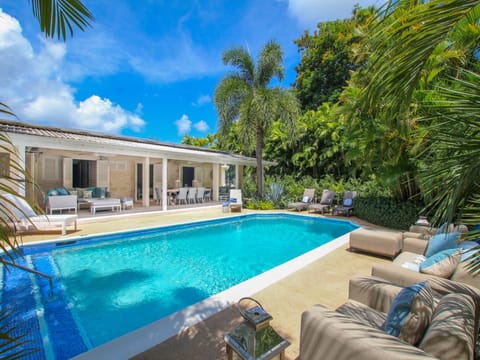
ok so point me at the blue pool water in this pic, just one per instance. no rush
(110, 285)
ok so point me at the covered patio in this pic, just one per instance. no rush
(148, 172)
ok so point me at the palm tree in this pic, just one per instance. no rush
(54, 17)
(244, 97)
(400, 53)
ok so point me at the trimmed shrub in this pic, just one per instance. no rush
(386, 211)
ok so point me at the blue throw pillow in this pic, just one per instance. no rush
(62, 191)
(442, 264)
(439, 242)
(233, 200)
(347, 202)
(410, 313)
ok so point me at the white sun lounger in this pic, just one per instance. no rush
(26, 218)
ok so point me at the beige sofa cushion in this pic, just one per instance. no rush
(454, 312)
(378, 242)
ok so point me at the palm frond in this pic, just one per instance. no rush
(59, 17)
(270, 64)
(402, 41)
(242, 60)
(450, 178)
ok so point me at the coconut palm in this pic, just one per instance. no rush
(244, 97)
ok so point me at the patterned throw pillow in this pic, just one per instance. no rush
(442, 264)
(441, 242)
(410, 313)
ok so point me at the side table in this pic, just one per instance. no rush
(249, 344)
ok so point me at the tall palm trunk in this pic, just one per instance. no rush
(258, 154)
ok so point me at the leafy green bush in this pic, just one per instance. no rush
(387, 211)
(259, 205)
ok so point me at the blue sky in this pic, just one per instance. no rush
(146, 68)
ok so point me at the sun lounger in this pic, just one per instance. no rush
(236, 200)
(26, 218)
(308, 195)
(325, 203)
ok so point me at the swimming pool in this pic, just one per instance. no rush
(107, 286)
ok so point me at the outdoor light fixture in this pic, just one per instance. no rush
(254, 338)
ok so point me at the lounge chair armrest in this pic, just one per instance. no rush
(398, 275)
(372, 291)
(327, 334)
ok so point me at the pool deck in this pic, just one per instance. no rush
(325, 281)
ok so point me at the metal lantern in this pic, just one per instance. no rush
(256, 316)
(254, 338)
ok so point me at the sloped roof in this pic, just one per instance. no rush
(77, 136)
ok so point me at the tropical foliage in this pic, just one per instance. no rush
(244, 97)
(328, 59)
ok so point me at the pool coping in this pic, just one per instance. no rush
(146, 337)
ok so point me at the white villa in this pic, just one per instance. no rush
(126, 166)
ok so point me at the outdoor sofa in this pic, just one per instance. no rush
(356, 330)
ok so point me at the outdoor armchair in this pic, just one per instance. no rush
(354, 331)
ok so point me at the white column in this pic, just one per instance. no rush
(237, 176)
(146, 182)
(215, 175)
(20, 148)
(165, 198)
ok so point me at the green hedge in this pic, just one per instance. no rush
(387, 211)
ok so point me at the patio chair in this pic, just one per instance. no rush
(200, 194)
(308, 195)
(207, 196)
(158, 194)
(181, 196)
(26, 218)
(347, 204)
(236, 200)
(325, 203)
(192, 195)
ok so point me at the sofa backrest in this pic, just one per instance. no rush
(62, 202)
(452, 330)
(463, 276)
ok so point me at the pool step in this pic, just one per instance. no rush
(64, 336)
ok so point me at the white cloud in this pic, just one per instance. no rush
(33, 87)
(201, 126)
(184, 125)
(202, 99)
(309, 12)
